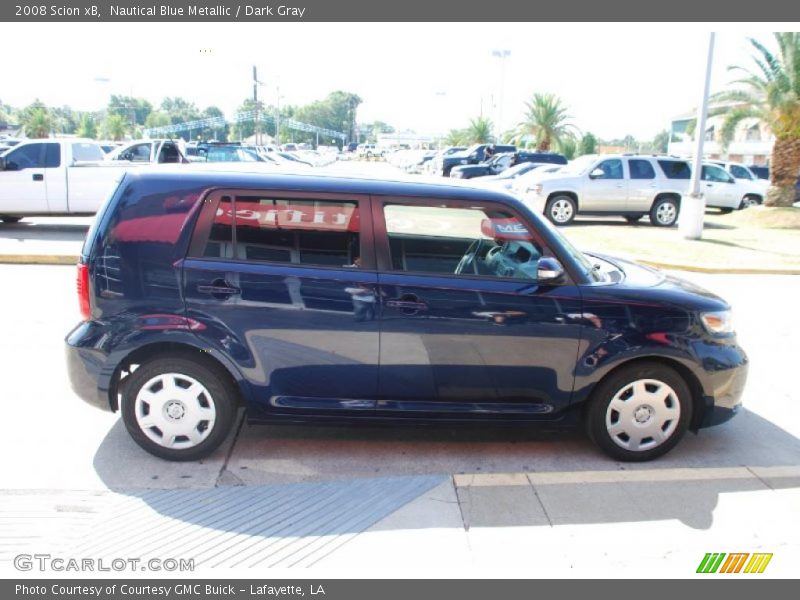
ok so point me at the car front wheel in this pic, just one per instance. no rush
(640, 412)
(561, 210)
(10, 220)
(664, 212)
(749, 202)
(177, 408)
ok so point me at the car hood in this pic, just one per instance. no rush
(646, 284)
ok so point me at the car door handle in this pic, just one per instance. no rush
(219, 289)
(37, 177)
(709, 185)
(406, 305)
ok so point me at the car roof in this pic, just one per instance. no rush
(196, 174)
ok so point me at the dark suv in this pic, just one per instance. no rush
(329, 299)
(500, 162)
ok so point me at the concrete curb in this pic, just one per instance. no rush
(62, 259)
(38, 259)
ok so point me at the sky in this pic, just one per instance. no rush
(615, 79)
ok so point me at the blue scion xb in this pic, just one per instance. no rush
(326, 299)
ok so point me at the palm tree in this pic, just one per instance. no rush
(770, 91)
(479, 131)
(37, 122)
(115, 127)
(546, 122)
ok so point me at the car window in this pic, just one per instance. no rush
(675, 169)
(305, 232)
(136, 153)
(741, 173)
(712, 173)
(460, 241)
(612, 169)
(84, 151)
(641, 169)
(26, 157)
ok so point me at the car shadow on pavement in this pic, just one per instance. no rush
(43, 231)
(290, 495)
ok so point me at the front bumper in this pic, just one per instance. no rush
(725, 375)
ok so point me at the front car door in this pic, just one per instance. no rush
(605, 188)
(30, 170)
(284, 283)
(467, 331)
(718, 187)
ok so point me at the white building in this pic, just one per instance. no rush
(752, 140)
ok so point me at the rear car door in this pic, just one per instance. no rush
(642, 186)
(466, 329)
(605, 188)
(285, 285)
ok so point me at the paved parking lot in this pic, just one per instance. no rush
(373, 500)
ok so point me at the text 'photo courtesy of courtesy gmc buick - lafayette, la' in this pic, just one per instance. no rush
(328, 299)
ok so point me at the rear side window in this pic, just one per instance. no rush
(641, 169)
(83, 151)
(675, 169)
(740, 172)
(291, 231)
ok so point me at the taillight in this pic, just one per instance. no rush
(83, 291)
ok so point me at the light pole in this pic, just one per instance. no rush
(693, 204)
(502, 55)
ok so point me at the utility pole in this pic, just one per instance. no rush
(502, 55)
(693, 204)
(255, 101)
(278, 116)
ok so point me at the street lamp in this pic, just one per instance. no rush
(502, 55)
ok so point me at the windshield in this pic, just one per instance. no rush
(516, 170)
(579, 165)
(471, 149)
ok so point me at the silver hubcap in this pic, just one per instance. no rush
(561, 210)
(666, 213)
(643, 415)
(175, 411)
(748, 202)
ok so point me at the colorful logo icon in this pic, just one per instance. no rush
(734, 562)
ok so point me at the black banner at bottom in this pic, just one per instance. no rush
(384, 589)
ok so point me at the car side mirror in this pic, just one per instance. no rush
(549, 270)
(597, 174)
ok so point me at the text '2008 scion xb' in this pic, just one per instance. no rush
(313, 298)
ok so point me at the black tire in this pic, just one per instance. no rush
(633, 218)
(665, 211)
(10, 220)
(748, 201)
(221, 395)
(561, 210)
(656, 412)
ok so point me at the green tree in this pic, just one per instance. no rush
(660, 143)
(456, 137)
(114, 127)
(770, 91)
(630, 144)
(546, 122)
(157, 119)
(568, 147)
(135, 110)
(479, 131)
(87, 128)
(36, 120)
(588, 144)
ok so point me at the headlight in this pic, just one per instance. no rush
(463, 161)
(717, 322)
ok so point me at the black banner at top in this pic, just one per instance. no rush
(399, 10)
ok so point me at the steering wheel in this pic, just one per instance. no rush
(468, 260)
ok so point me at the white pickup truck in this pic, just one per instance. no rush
(56, 178)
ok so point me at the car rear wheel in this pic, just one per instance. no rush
(640, 412)
(664, 212)
(748, 202)
(560, 210)
(177, 408)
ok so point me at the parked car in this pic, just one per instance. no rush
(632, 186)
(743, 174)
(473, 155)
(327, 299)
(149, 151)
(369, 150)
(504, 160)
(55, 177)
